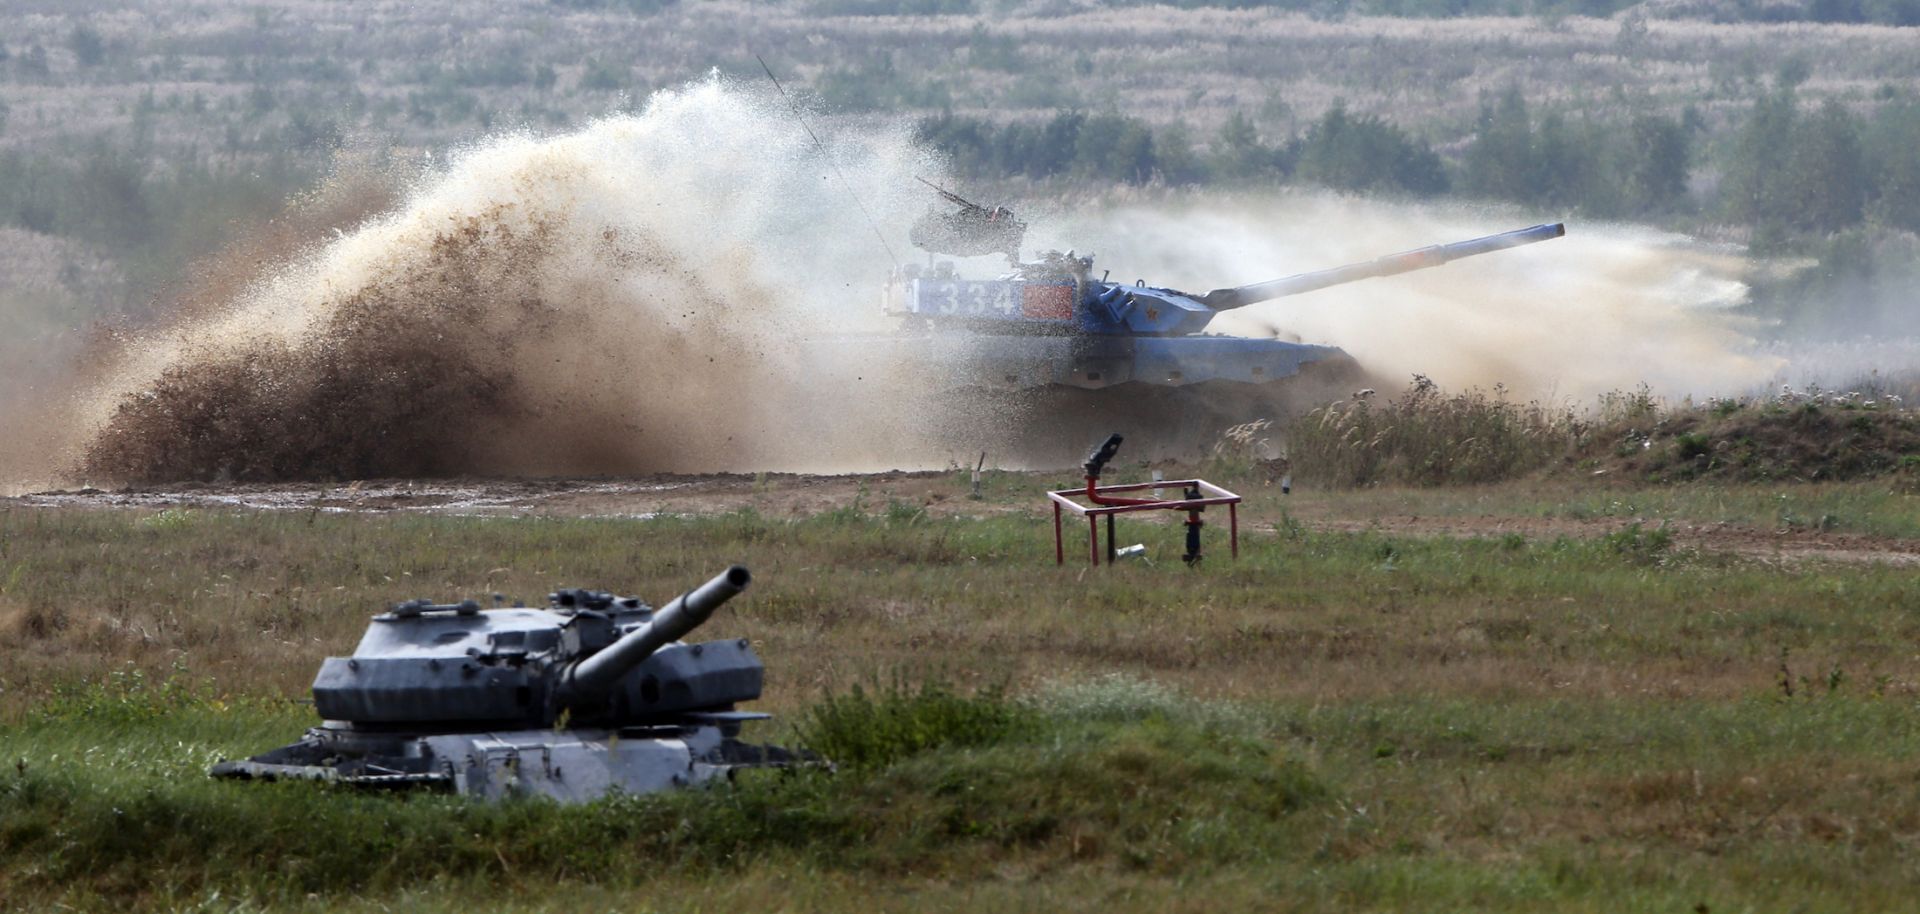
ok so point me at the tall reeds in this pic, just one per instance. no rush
(1426, 437)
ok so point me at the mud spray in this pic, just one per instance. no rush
(632, 297)
(649, 294)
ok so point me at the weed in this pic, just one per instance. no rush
(854, 512)
(877, 726)
(170, 519)
(1638, 405)
(1114, 697)
(1428, 438)
(1906, 475)
(904, 512)
(1242, 451)
(1639, 545)
(1692, 445)
(126, 696)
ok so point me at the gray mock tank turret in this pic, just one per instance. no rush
(593, 694)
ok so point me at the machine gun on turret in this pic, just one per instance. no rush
(970, 231)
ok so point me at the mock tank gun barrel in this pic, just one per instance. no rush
(599, 673)
(1405, 261)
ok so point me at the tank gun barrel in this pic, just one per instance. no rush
(670, 623)
(1405, 261)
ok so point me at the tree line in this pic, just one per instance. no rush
(1784, 171)
(1878, 12)
(1343, 150)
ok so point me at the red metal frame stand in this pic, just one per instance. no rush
(1105, 502)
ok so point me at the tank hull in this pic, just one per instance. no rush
(1099, 362)
(958, 359)
(569, 766)
(1035, 400)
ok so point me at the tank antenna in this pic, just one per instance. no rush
(795, 108)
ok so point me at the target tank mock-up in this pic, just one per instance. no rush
(590, 695)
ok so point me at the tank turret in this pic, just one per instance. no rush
(591, 694)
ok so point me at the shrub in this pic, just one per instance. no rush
(1640, 546)
(873, 728)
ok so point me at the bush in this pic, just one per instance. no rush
(875, 728)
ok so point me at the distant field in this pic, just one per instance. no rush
(223, 78)
(1549, 699)
(137, 136)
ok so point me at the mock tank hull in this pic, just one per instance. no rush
(571, 766)
(592, 695)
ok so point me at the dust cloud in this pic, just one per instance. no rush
(1605, 308)
(694, 288)
(636, 296)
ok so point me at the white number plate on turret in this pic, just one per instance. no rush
(990, 298)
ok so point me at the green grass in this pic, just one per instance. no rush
(1116, 782)
(1867, 508)
(105, 803)
(1337, 721)
(251, 600)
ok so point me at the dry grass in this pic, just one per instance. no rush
(252, 601)
(1425, 437)
(1515, 722)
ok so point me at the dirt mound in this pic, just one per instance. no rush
(633, 297)
(395, 381)
(1426, 437)
(1784, 441)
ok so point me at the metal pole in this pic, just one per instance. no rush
(1233, 527)
(1059, 547)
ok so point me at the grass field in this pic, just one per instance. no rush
(1357, 714)
(1521, 660)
